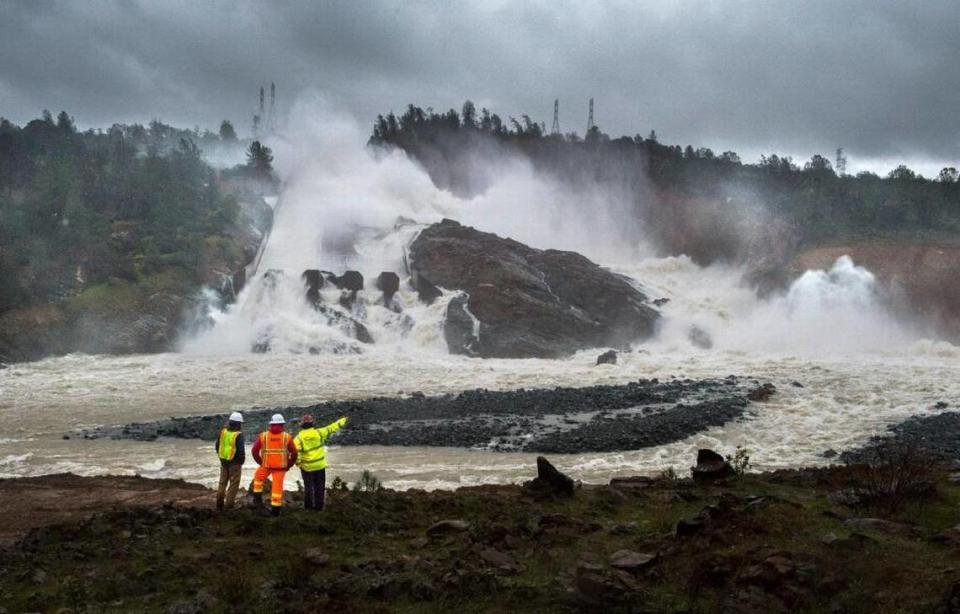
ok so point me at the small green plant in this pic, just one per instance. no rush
(740, 461)
(669, 474)
(338, 485)
(368, 483)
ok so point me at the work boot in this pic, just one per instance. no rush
(258, 499)
(275, 510)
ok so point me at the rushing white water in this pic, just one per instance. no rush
(860, 369)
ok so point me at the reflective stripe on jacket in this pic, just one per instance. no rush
(273, 450)
(310, 445)
(227, 449)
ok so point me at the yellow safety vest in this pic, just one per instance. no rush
(227, 449)
(311, 453)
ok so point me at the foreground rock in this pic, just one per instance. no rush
(529, 302)
(550, 481)
(711, 466)
(562, 420)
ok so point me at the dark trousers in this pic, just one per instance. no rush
(314, 488)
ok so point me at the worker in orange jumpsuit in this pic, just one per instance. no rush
(276, 453)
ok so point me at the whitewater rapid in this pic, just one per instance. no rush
(844, 400)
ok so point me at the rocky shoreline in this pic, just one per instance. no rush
(592, 419)
(936, 436)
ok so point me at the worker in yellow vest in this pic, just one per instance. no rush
(275, 453)
(230, 450)
(312, 459)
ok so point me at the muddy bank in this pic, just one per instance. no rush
(592, 419)
(54, 499)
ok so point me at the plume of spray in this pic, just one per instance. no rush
(334, 184)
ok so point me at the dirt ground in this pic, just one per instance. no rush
(29, 503)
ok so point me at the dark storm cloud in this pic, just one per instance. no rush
(878, 78)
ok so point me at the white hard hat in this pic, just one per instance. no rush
(236, 417)
(277, 419)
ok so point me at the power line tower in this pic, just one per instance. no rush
(273, 101)
(258, 118)
(556, 117)
(841, 165)
(590, 124)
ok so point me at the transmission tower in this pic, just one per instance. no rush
(258, 118)
(556, 117)
(590, 117)
(841, 165)
(273, 101)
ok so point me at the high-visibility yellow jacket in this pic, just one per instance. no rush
(310, 445)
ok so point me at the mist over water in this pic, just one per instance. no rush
(338, 192)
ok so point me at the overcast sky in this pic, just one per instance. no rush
(881, 79)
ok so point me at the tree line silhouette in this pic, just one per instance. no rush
(669, 181)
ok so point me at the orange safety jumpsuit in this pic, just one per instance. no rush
(275, 452)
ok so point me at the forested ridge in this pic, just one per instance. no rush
(687, 193)
(111, 220)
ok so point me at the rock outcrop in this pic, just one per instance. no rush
(607, 358)
(529, 302)
(550, 481)
(711, 466)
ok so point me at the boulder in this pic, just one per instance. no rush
(711, 466)
(314, 281)
(607, 358)
(389, 284)
(762, 393)
(349, 325)
(350, 280)
(597, 586)
(631, 561)
(316, 557)
(550, 480)
(529, 302)
(447, 527)
(500, 561)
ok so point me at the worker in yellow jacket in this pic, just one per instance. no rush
(312, 459)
